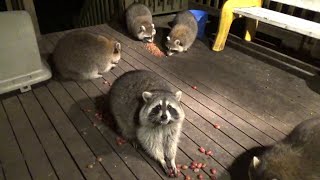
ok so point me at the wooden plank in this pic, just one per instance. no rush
(192, 150)
(90, 134)
(1, 173)
(279, 7)
(211, 10)
(313, 5)
(29, 7)
(76, 145)
(58, 155)
(12, 160)
(9, 5)
(199, 137)
(281, 20)
(105, 9)
(40, 167)
(291, 10)
(158, 6)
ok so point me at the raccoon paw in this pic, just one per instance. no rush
(167, 170)
(169, 53)
(135, 145)
(97, 76)
(174, 169)
(165, 167)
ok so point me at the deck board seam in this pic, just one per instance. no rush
(16, 139)
(59, 135)
(38, 138)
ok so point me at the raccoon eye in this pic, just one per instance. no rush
(158, 107)
(169, 107)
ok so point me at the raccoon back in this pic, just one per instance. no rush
(297, 156)
(186, 18)
(185, 28)
(81, 51)
(136, 15)
(306, 136)
(125, 96)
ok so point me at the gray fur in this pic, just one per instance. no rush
(297, 157)
(137, 101)
(183, 33)
(81, 55)
(139, 22)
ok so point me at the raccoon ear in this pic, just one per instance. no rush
(178, 95)
(168, 38)
(146, 96)
(177, 42)
(152, 25)
(142, 28)
(255, 162)
(118, 46)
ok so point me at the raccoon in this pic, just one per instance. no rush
(297, 157)
(82, 55)
(183, 33)
(139, 22)
(149, 113)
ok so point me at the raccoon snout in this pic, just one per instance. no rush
(164, 117)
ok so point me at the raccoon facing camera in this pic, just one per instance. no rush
(294, 158)
(148, 113)
(139, 22)
(82, 55)
(183, 33)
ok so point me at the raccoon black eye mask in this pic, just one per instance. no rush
(163, 113)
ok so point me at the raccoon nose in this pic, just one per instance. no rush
(164, 116)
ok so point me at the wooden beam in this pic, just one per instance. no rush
(29, 7)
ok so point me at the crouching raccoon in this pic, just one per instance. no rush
(149, 113)
(82, 55)
(183, 33)
(139, 22)
(297, 157)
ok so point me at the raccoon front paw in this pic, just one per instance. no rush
(135, 145)
(169, 53)
(97, 76)
(165, 167)
(174, 168)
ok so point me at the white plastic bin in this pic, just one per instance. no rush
(20, 62)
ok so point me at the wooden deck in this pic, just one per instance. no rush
(48, 133)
